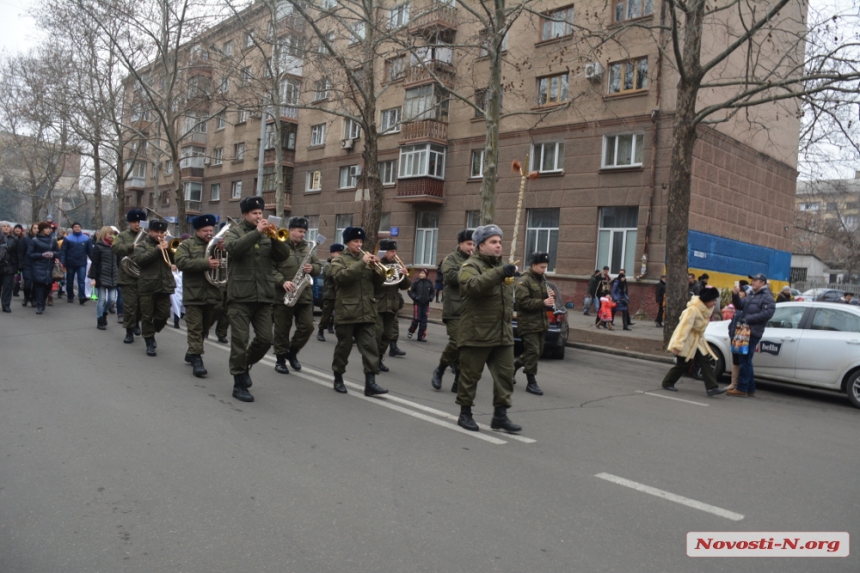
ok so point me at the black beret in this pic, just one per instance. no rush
(158, 225)
(135, 215)
(352, 233)
(203, 221)
(464, 235)
(297, 222)
(708, 294)
(538, 258)
(249, 204)
(387, 245)
(336, 248)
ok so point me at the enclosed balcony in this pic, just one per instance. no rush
(193, 207)
(135, 183)
(434, 17)
(420, 190)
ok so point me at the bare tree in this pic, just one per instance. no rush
(827, 222)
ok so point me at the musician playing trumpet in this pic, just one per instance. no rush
(388, 302)
(155, 284)
(287, 349)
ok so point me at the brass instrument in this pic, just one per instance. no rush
(393, 273)
(218, 277)
(302, 280)
(127, 263)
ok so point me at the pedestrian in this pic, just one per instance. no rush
(688, 342)
(155, 284)
(785, 295)
(42, 249)
(703, 281)
(533, 300)
(440, 281)
(329, 294)
(486, 335)
(18, 233)
(591, 293)
(8, 264)
(607, 307)
(421, 293)
(758, 307)
(660, 296)
(693, 285)
(27, 265)
(389, 302)
(621, 299)
(74, 253)
(123, 247)
(104, 273)
(847, 298)
(734, 319)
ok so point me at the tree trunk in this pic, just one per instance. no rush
(98, 219)
(492, 112)
(374, 184)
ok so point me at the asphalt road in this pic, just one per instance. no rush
(116, 462)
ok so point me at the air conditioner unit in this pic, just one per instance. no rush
(206, 161)
(347, 143)
(593, 71)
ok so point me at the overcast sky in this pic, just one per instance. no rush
(17, 31)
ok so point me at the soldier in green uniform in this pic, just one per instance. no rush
(250, 290)
(223, 321)
(451, 306)
(155, 284)
(123, 246)
(486, 334)
(201, 298)
(356, 276)
(287, 349)
(327, 316)
(388, 303)
(533, 300)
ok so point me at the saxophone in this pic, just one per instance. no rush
(302, 280)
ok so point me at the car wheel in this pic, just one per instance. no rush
(853, 389)
(558, 352)
(720, 364)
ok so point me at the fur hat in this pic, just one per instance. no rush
(538, 258)
(249, 204)
(464, 235)
(353, 233)
(135, 215)
(201, 221)
(297, 222)
(484, 232)
(387, 245)
(708, 294)
(158, 225)
(336, 248)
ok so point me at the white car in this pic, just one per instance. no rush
(815, 344)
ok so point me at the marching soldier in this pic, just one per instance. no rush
(387, 304)
(451, 306)
(533, 300)
(250, 291)
(155, 284)
(327, 316)
(202, 299)
(123, 246)
(356, 277)
(486, 335)
(303, 311)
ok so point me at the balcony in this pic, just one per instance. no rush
(288, 112)
(135, 182)
(420, 190)
(193, 138)
(418, 75)
(435, 18)
(424, 130)
(269, 199)
(288, 157)
(193, 207)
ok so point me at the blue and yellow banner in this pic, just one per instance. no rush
(727, 261)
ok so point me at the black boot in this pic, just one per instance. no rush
(199, 370)
(136, 329)
(436, 381)
(371, 388)
(102, 323)
(394, 351)
(240, 388)
(465, 420)
(382, 366)
(129, 336)
(189, 358)
(338, 384)
(456, 379)
(502, 422)
(150, 346)
(281, 364)
(223, 339)
(533, 387)
(320, 335)
(331, 330)
(294, 362)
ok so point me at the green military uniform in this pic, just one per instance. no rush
(123, 246)
(202, 300)
(303, 310)
(387, 306)
(329, 296)
(223, 321)
(485, 335)
(155, 285)
(356, 311)
(250, 292)
(451, 304)
(532, 323)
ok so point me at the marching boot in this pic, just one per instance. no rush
(240, 388)
(129, 336)
(456, 379)
(339, 387)
(150, 345)
(102, 323)
(394, 351)
(136, 329)
(436, 381)
(189, 358)
(502, 422)
(331, 330)
(382, 366)
(320, 335)
(199, 370)
(247, 378)
(371, 388)
(465, 420)
(223, 339)
(533, 387)
(281, 364)
(294, 362)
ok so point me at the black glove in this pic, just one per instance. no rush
(510, 270)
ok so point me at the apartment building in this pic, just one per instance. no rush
(597, 126)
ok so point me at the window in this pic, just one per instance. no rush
(426, 233)
(290, 90)
(215, 192)
(542, 233)
(192, 156)
(314, 181)
(425, 160)
(168, 167)
(139, 169)
(623, 150)
(239, 151)
(193, 191)
(236, 190)
(834, 320)
(557, 23)
(198, 86)
(351, 129)
(849, 222)
(390, 120)
(221, 120)
(218, 156)
(628, 76)
(388, 172)
(832, 206)
(482, 101)
(321, 88)
(628, 9)
(398, 16)
(249, 39)
(349, 176)
(313, 227)
(814, 206)
(321, 45)
(486, 37)
(318, 134)
(477, 163)
(357, 29)
(341, 222)
(194, 123)
(425, 102)
(552, 89)
(247, 75)
(283, 9)
(227, 48)
(395, 69)
(385, 222)
(616, 237)
(473, 220)
(548, 157)
(291, 45)
(241, 116)
(786, 317)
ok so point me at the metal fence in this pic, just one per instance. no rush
(806, 285)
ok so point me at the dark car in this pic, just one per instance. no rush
(820, 295)
(318, 290)
(556, 337)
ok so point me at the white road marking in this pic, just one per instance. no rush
(653, 395)
(672, 497)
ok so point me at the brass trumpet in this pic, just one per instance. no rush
(277, 234)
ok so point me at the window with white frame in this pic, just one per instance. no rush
(349, 175)
(473, 220)
(388, 172)
(628, 76)
(236, 190)
(283, 9)
(227, 48)
(192, 156)
(195, 123)
(629, 9)
(249, 39)
(215, 192)
(425, 102)
(390, 121)
(477, 170)
(548, 157)
(139, 169)
(168, 167)
(557, 23)
(241, 116)
(395, 68)
(314, 180)
(426, 160)
(553, 89)
(290, 89)
(321, 88)
(486, 37)
(318, 134)
(239, 151)
(247, 75)
(398, 16)
(218, 156)
(221, 120)
(357, 29)
(351, 129)
(623, 150)
(313, 227)
(616, 237)
(224, 86)
(542, 233)
(426, 234)
(193, 190)
(341, 222)
(813, 206)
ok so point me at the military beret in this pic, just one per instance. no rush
(201, 221)
(135, 215)
(353, 233)
(538, 258)
(158, 225)
(708, 294)
(464, 235)
(484, 232)
(336, 248)
(300, 222)
(249, 204)
(387, 245)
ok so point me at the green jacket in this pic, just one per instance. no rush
(286, 271)
(487, 310)
(529, 293)
(252, 256)
(191, 259)
(155, 274)
(450, 278)
(123, 246)
(355, 282)
(387, 297)
(329, 292)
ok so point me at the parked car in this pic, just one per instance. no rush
(556, 337)
(795, 293)
(815, 344)
(318, 290)
(821, 295)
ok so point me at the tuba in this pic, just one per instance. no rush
(302, 280)
(218, 276)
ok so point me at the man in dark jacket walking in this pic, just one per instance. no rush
(156, 283)
(8, 264)
(76, 249)
(421, 293)
(591, 291)
(758, 308)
